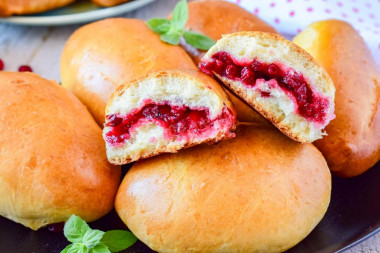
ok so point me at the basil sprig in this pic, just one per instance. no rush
(172, 30)
(87, 240)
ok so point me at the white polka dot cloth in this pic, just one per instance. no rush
(290, 17)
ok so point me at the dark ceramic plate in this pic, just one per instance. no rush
(353, 215)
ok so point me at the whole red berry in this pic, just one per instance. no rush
(25, 68)
(1, 65)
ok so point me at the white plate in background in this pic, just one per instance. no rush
(75, 13)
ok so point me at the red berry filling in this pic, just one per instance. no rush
(178, 121)
(1, 65)
(310, 105)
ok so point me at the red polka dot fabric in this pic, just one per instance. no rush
(290, 17)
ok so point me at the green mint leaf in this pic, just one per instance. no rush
(78, 248)
(92, 237)
(180, 15)
(171, 38)
(159, 25)
(87, 240)
(118, 240)
(75, 248)
(75, 228)
(198, 40)
(172, 30)
(68, 247)
(100, 248)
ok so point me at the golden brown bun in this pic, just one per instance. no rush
(108, 3)
(52, 159)
(215, 18)
(258, 192)
(20, 7)
(191, 89)
(101, 56)
(353, 142)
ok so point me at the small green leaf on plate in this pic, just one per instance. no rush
(118, 240)
(171, 38)
(75, 228)
(198, 40)
(100, 248)
(92, 238)
(180, 15)
(68, 247)
(159, 25)
(75, 248)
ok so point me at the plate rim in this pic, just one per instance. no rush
(357, 242)
(75, 18)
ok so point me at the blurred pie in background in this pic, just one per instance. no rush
(20, 7)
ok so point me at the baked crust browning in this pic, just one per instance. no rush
(215, 18)
(353, 142)
(258, 192)
(21, 7)
(92, 67)
(52, 155)
(109, 3)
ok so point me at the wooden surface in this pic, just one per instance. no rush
(40, 47)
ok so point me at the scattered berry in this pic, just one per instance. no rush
(25, 68)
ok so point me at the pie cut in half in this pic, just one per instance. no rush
(164, 112)
(277, 78)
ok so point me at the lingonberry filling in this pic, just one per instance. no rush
(178, 121)
(310, 105)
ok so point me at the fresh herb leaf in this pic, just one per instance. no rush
(87, 240)
(100, 248)
(67, 249)
(198, 40)
(75, 228)
(78, 248)
(92, 238)
(75, 248)
(118, 240)
(172, 30)
(180, 15)
(159, 25)
(171, 38)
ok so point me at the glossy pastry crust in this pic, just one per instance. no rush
(108, 3)
(258, 192)
(20, 7)
(52, 159)
(215, 18)
(353, 142)
(101, 56)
